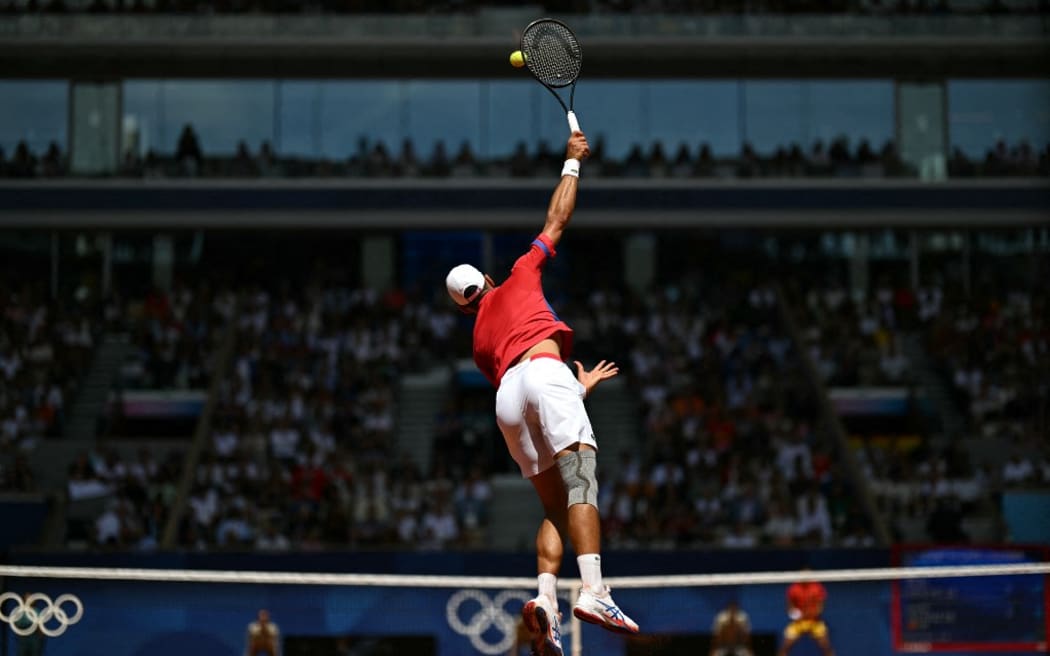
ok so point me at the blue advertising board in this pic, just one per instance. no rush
(992, 613)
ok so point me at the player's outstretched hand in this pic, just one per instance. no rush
(577, 147)
(590, 379)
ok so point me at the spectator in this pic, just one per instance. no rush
(731, 632)
(263, 637)
(439, 165)
(781, 528)
(188, 152)
(1018, 471)
(23, 163)
(52, 164)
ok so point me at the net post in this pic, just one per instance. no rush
(574, 622)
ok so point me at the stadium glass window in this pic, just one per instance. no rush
(222, 113)
(982, 112)
(337, 118)
(773, 115)
(447, 112)
(856, 109)
(39, 117)
(507, 117)
(359, 113)
(780, 113)
(694, 112)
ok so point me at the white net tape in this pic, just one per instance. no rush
(409, 580)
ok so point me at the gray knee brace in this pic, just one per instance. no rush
(577, 470)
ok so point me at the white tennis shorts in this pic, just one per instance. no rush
(540, 411)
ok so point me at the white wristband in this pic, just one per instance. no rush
(572, 167)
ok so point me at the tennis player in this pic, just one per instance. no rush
(520, 345)
(805, 605)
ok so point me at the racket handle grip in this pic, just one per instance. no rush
(574, 125)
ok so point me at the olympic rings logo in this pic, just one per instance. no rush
(28, 615)
(489, 620)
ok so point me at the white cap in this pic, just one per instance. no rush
(464, 283)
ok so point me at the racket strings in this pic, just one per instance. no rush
(552, 53)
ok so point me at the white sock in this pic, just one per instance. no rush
(548, 585)
(591, 571)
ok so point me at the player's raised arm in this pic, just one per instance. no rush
(563, 201)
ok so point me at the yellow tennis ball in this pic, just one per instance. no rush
(517, 59)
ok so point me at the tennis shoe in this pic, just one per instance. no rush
(599, 608)
(544, 623)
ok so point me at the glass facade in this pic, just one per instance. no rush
(36, 112)
(330, 118)
(983, 112)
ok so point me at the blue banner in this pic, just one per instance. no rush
(176, 619)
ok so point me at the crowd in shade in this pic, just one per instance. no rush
(834, 159)
(174, 335)
(858, 342)
(22, 162)
(124, 502)
(732, 454)
(304, 451)
(128, 501)
(45, 350)
(943, 482)
(993, 350)
(865, 7)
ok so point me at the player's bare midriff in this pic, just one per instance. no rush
(550, 345)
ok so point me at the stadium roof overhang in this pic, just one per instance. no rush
(114, 47)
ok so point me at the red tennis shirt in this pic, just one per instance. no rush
(515, 316)
(808, 597)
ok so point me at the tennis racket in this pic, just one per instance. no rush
(553, 56)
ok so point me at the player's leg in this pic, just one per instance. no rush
(820, 634)
(540, 614)
(791, 635)
(549, 545)
(568, 435)
(584, 521)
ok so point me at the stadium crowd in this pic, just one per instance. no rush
(375, 160)
(303, 451)
(991, 348)
(45, 349)
(135, 498)
(174, 335)
(732, 456)
(995, 350)
(874, 7)
(857, 342)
